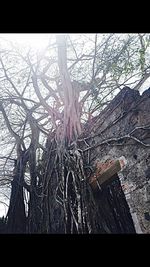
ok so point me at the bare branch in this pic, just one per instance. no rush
(117, 139)
(53, 93)
(145, 77)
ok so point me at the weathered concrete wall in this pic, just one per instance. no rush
(127, 111)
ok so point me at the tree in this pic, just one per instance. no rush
(46, 100)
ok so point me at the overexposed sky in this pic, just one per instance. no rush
(37, 41)
(3, 210)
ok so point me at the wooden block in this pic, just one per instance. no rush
(104, 172)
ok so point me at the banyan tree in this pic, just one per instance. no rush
(62, 190)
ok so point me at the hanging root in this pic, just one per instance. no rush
(65, 188)
(73, 188)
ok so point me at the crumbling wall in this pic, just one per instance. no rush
(123, 129)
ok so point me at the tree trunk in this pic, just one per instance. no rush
(16, 216)
(71, 123)
(104, 210)
(113, 207)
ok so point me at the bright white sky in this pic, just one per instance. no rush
(3, 210)
(37, 41)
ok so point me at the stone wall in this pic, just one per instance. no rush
(123, 129)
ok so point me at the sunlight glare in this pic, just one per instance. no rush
(35, 41)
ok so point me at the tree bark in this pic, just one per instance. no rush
(16, 216)
(72, 126)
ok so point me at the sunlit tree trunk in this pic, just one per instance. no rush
(71, 124)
